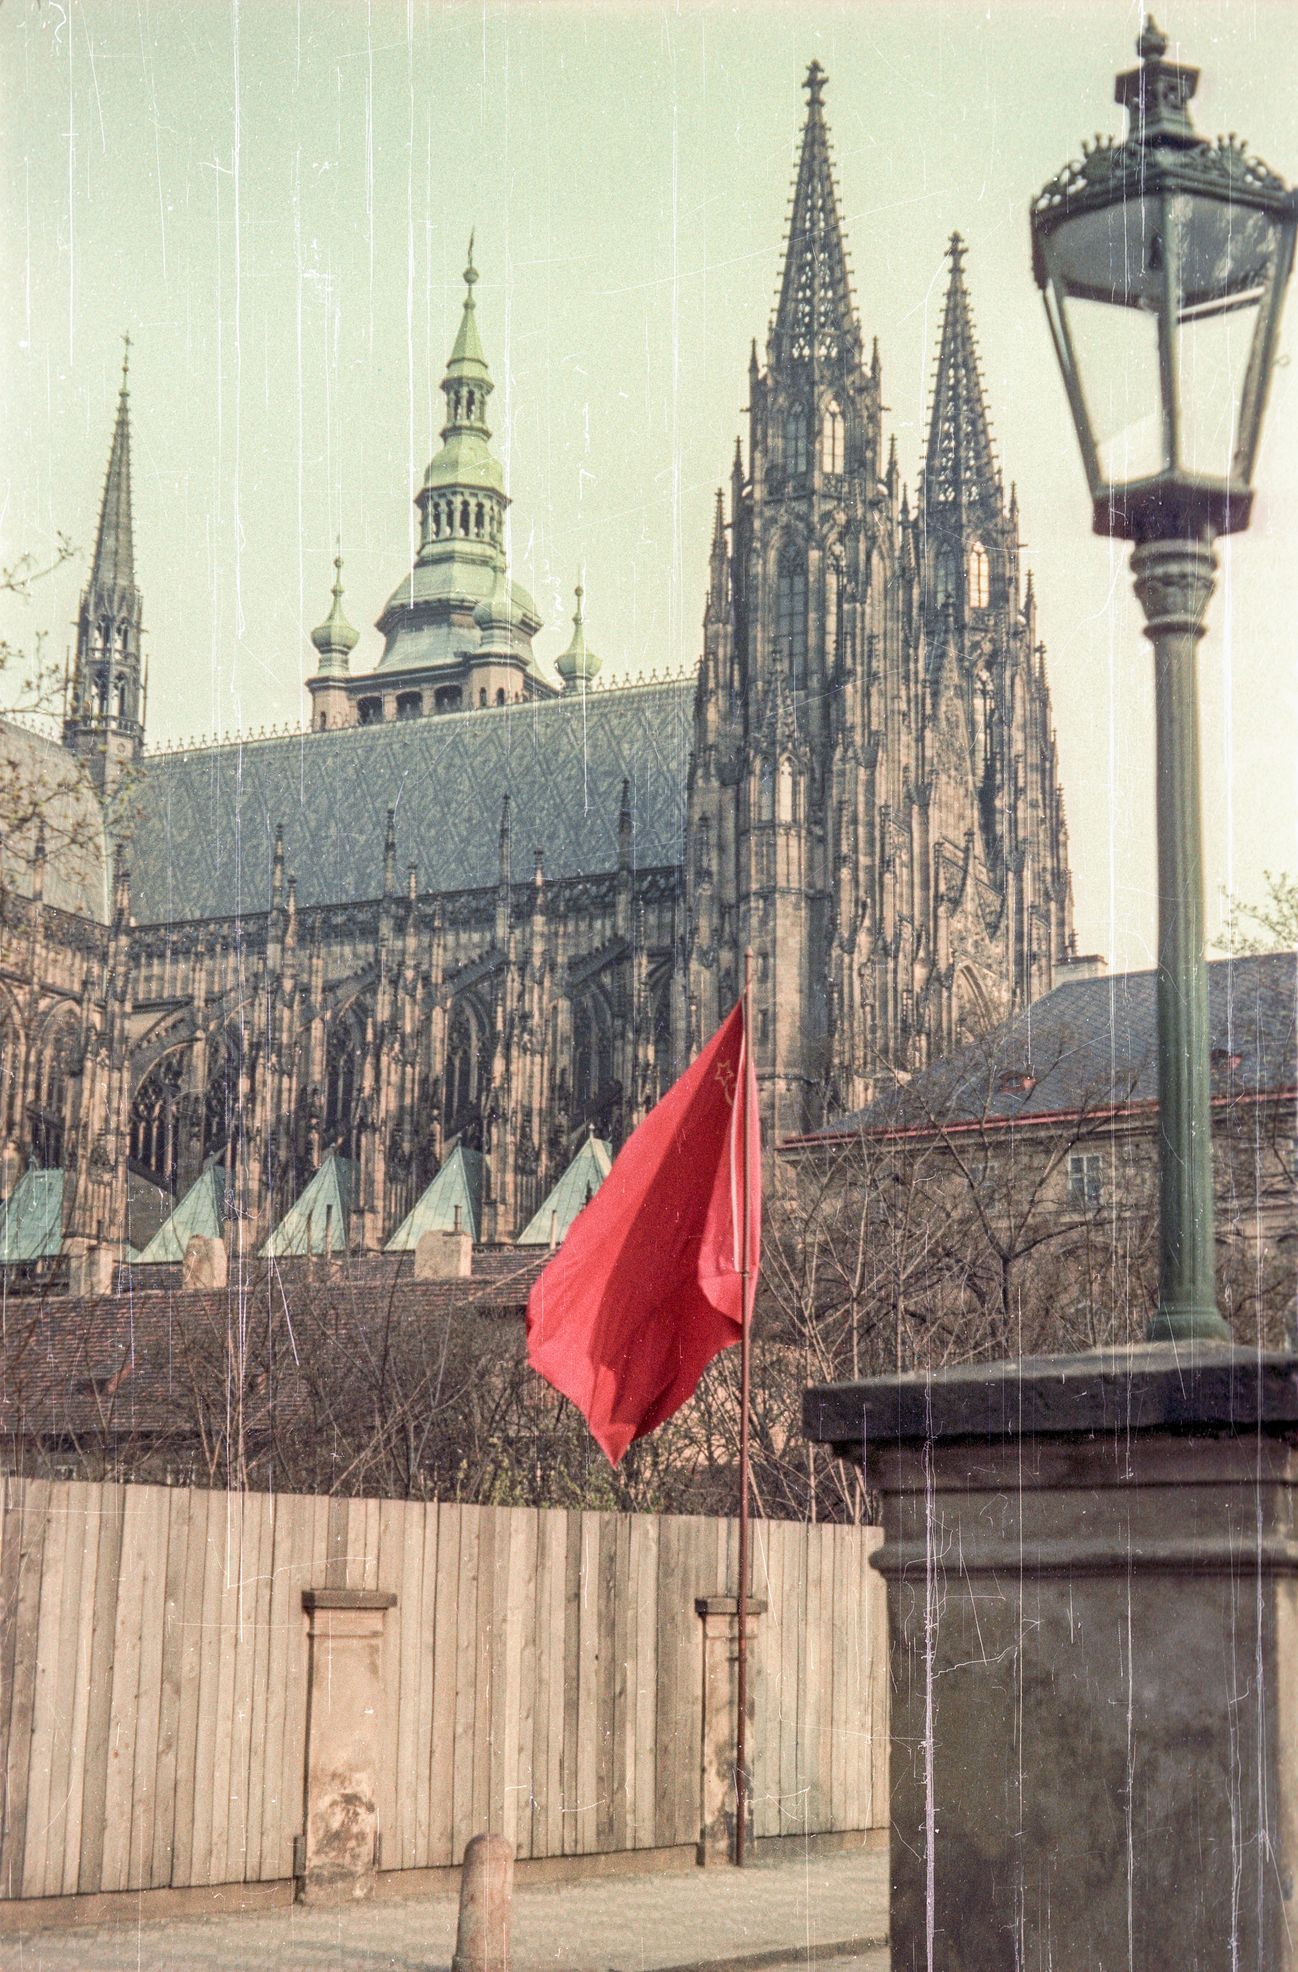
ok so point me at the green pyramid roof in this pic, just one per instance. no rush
(576, 1188)
(328, 1198)
(31, 1219)
(457, 1184)
(201, 1210)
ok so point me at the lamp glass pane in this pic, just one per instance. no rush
(1113, 254)
(1225, 259)
(1116, 351)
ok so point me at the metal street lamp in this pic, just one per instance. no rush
(1163, 262)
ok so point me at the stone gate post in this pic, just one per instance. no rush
(1092, 1580)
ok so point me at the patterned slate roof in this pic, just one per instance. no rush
(204, 825)
(1093, 1043)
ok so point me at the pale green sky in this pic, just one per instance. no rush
(275, 195)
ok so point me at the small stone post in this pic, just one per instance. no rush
(344, 1736)
(720, 1614)
(1092, 1579)
(205, 1264)
(486, 1892)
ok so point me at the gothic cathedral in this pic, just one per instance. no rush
(211, 960)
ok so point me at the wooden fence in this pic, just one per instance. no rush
(542, 1674)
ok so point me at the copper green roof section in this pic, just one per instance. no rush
(574, 1191)
(322, 1212)
(31, 1219)
(457, 1188)
(201, 1211)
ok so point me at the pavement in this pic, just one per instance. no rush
(784, 1915)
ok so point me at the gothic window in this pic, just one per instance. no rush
(592, 1060)
(10, 1059)
(784, 792)
(500, 695)
(437, 521)
(482, 694)
(791, 615)
(154, 1117)
(831, 438)
(943, 577)
(470, 405)
(795, 441)
(833, 611)
(121, 698)
(342, 1081)
(979, 577)
(223, 1121)
(462, 1070)
(766, 792)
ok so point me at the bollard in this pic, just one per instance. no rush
(486, 1888)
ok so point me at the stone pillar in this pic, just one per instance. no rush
(344, 1731)
(720, 1614)
(1093, 1619)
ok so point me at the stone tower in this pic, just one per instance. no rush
(104, 714)
(873, 804)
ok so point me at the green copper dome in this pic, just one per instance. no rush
(335, 639)
(578, 665)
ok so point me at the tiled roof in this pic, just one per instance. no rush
(205, 820)
(1093, 1043)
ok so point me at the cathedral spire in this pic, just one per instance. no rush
(960, 474)
(815, 320)
(113, 568)
(103, 720)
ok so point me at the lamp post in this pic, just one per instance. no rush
(1163, 261)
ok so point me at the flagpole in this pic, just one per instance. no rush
(741, 1680)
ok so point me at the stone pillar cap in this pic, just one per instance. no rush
(1163, 1386)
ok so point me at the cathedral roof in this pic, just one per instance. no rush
(31, 1219)
(322, 1212)
(51, 826)
(201, 1211)
(202, 837)
(451, 1203)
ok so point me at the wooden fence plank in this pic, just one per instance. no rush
(441, 1805)
(180, 1514)
(24, 1612)
(404, 1568)
(124, 1719)
(108, 1577)
(645, 1538)
(588, 1722)
(207, 1622)
(198, 1560)
(522, 1646)
(501, 1676)
(148, 1699)
(281, 1608)
(619, 1624)
(388, 1573)
(260, 1604)
(75, 1623)
(520, 1594)
(226, 1805)
(464, 1675)
(428, 1535)
(45, 1698)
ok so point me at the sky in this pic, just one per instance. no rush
(274, 197)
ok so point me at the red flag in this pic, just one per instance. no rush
(648, 1285)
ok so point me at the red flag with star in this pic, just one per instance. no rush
(648, 1285)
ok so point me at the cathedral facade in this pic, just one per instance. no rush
(474, 905)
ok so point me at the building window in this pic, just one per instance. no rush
(500, 695)
(795, 441)
(791, 616)
(1085, 1179)
(831, 438)
(979, 577)
(369, 711)
(447, 698)
(409, 705)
